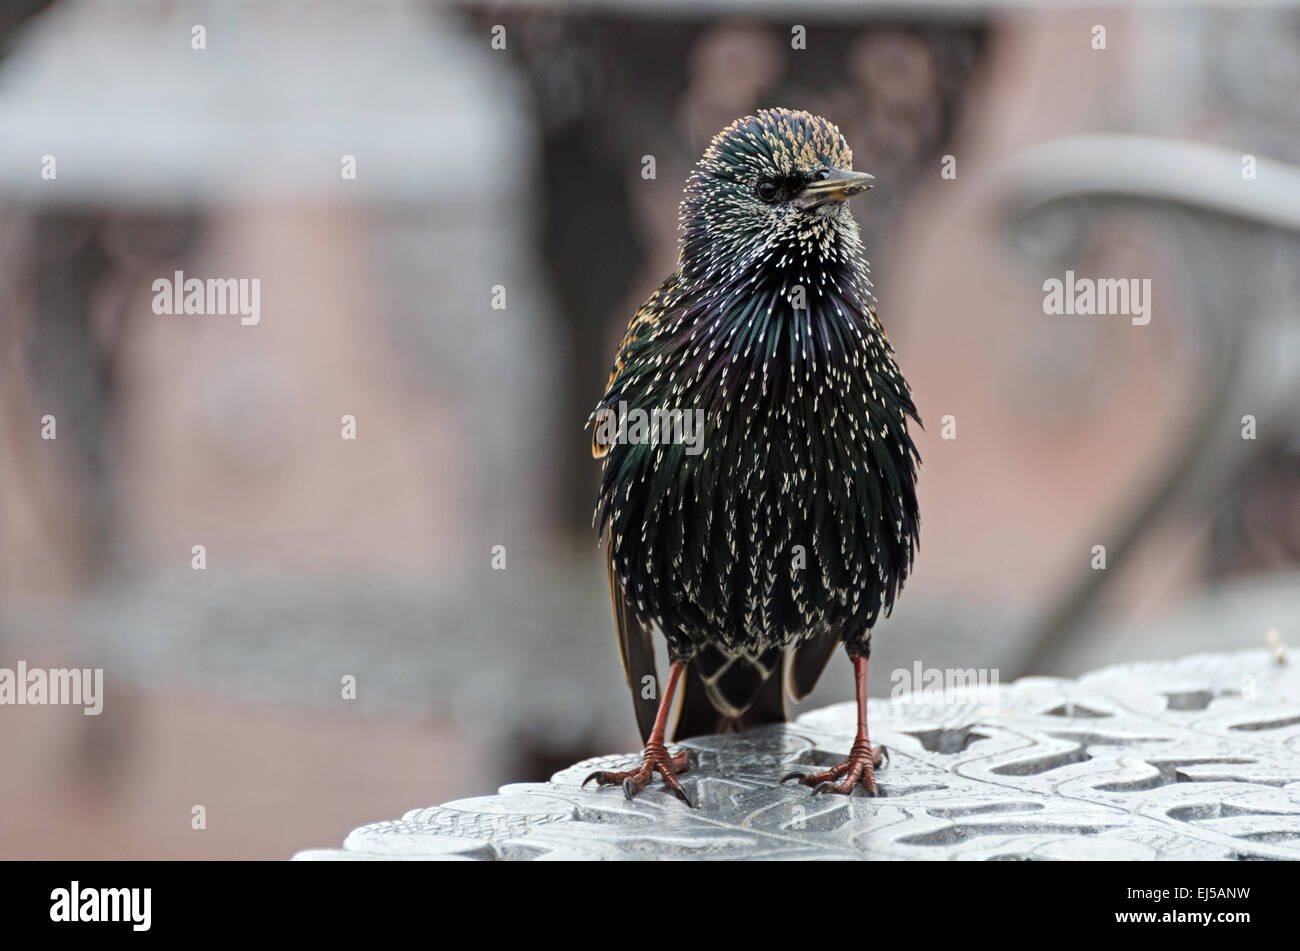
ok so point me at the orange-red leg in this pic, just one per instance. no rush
(863, 759)
(656, 758)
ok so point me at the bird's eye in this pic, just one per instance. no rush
(767, 190)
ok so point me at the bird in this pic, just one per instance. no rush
(788, 524)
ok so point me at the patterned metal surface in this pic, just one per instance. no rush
(1191, 759)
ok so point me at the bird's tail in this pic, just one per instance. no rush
(728, 693)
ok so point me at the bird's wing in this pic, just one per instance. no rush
(808, 660)
(637, 649)
(875, 319)
(642, 322)
(635, 644)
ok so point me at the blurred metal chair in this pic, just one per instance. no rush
(1251, 331)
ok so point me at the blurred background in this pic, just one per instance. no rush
(513, 172)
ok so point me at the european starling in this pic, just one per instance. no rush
(790, 525)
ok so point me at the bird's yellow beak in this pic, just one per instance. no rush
(836, 185)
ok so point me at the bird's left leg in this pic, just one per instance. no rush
(656, 758)
(864, 759)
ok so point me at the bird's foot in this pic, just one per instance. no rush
(656, 759)
(864, 759)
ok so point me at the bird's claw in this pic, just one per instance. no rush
(655, 759)
(860, 767)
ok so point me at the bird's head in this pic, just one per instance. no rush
(770, 185)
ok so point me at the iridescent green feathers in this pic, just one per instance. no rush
(799, 515)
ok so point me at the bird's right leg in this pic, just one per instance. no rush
(656, 758)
